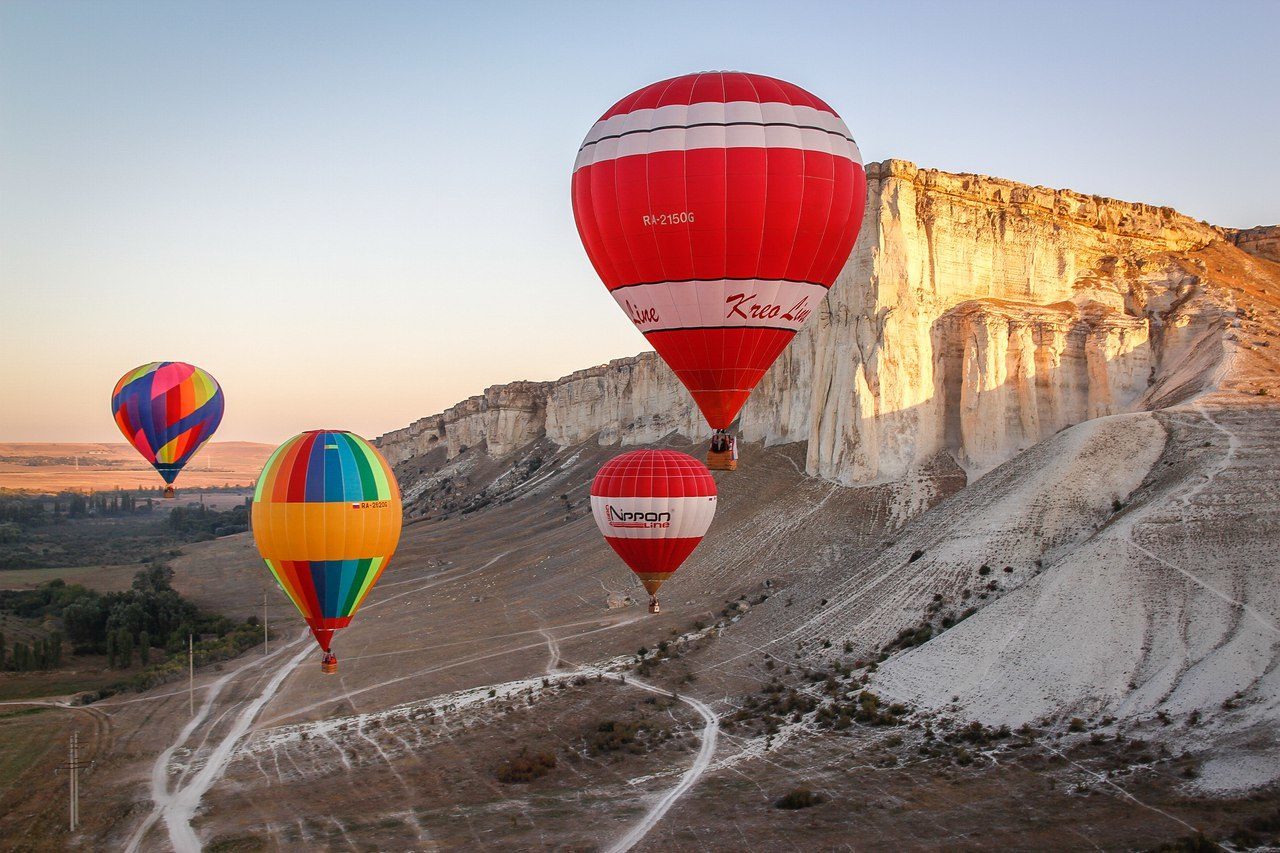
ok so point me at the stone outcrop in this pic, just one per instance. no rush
(975, 317)
(1263, 241)
(502, 420)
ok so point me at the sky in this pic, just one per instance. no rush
(355, 214)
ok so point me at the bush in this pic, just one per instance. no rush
(525, 767)
(1076, 725)
(800, 798)
(615, 736)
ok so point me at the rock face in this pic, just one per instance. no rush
(502, 419)
(1263, 241)
(975, 317)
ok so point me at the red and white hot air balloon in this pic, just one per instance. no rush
(718, 209)
(653, 507)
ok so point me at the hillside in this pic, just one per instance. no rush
(996, 571)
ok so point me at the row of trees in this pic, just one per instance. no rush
(128, 626)
(150, 611)
(120, 649)
(33, 511)
(151, 606)
(42, 654)
(197, 523)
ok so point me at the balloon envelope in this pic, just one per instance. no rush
(653, 507)
(326, 519)
(718, 209)
(167, 410)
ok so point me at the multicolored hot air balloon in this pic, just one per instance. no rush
(718, 209)
(653, 507)
(167, 410)
(326, 519)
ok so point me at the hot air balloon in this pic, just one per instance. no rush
(326, 519)
(167, 410)
(653, 507)
(718, 209)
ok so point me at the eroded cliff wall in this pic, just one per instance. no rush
(975, 317)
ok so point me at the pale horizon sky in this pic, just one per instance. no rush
(357, 214)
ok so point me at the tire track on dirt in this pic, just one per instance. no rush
(161, 798)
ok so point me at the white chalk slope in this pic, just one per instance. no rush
(1170, 604)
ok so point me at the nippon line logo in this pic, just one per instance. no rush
(641, 520)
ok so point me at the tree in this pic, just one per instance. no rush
(1, 650)
(85, 619)
(124, 646)
(55, 650)
(154, 579)
(144, 648)
(111, 651)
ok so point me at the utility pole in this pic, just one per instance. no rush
(191, 674)
(73, 767)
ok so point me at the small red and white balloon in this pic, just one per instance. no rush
(653, 507)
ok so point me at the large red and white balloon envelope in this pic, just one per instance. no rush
(718, 209)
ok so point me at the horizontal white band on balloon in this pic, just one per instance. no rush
(741, 124)
(711, 112)
(653, 518)
(747, 303)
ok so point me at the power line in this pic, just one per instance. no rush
(73, 766)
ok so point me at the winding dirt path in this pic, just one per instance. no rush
(710, 734)
(701, 762)
(177, 807)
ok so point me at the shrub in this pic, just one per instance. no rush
(800, 798)
(525, 767)
(1076, 725)
(613, 736)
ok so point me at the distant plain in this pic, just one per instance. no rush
(57, 467)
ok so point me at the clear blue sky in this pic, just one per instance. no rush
(354, 214)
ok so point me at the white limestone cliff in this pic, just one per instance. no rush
(975, 317)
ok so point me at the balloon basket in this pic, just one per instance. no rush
(329, 664)
(170, 493)
(654, 607)
(721, 461)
